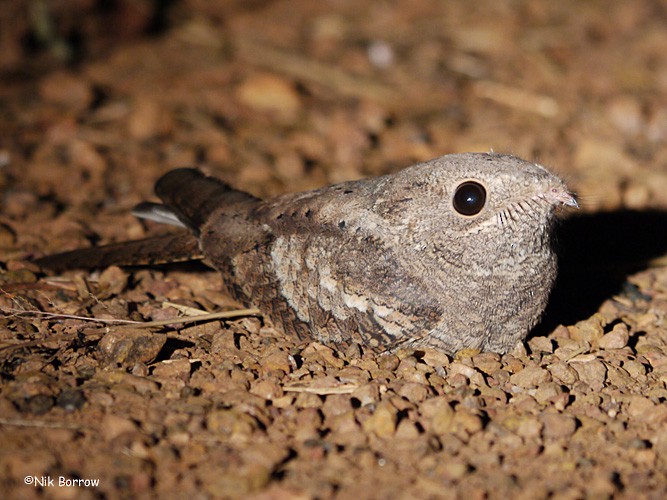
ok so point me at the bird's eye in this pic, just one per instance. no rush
(469, 198)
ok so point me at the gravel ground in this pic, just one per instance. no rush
(97, 99)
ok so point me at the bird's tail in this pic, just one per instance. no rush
(191, 197)
(176, 247)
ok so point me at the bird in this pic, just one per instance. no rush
(452, 253)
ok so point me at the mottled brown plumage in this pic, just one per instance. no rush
(452, 253)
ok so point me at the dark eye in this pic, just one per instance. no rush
(469, 198)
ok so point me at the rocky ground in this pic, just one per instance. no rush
(97, 99)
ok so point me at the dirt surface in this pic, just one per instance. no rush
(97, 99)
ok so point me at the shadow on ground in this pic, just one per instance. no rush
(597, 252)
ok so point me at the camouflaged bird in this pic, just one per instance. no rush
(452, 253)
